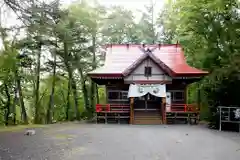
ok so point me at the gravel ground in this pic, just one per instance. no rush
(119, 142)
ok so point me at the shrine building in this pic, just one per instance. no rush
(146, 84)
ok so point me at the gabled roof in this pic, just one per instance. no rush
(147, 54)
(122, 59)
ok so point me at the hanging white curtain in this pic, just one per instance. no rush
(137, 90)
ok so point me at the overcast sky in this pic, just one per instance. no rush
(130, 4)
(8, 18)
(133, 5)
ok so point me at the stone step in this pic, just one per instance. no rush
(142, 119)
(147, 114)
(157, 116)
(144, 115)
(147, 122)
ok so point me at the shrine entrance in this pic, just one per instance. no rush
(147, 103)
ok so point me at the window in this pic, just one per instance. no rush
(113, 95)
(117, 95)
(148, 71)
(177, 96)
(124, 94)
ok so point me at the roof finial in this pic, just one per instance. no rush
(148, 50)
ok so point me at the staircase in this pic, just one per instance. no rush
(147, 117)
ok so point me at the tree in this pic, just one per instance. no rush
(119, 27)
(56, 18)
(149, 30)
(209, 34)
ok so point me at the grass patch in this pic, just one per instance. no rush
(19, 127)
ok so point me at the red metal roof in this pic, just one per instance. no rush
(120, 59)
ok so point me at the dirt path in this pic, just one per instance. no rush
(118, 142)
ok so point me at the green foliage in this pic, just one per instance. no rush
(102, 95)
(119, 27)
(209, 33)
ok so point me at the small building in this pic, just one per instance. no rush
(146, 84)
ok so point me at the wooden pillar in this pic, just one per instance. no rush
(131, 110)
(164, 110)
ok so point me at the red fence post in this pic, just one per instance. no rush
(108, 107)
(98, 108)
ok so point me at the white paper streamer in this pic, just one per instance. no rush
(137, 90)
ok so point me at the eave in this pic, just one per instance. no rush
(106, 75)
(190, 75)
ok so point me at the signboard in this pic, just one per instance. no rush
(229, 114)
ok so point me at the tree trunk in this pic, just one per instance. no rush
(84, 89)
(51, 100)
(15, 102)
(20, 97)
(75, 96)
(93, 85)
(92, 95)
(72, 81)
(97, 94)
(22, 105)
(37, 118)
(7, 107)
(68, 99)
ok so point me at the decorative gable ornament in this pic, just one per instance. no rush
(155, 90)
(141, 89)
(237, 113)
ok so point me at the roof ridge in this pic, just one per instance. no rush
(139, 45)
(148, 50)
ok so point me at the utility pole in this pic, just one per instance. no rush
(153, 3)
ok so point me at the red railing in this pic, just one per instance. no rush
(112, 108)
(184, 108)
(126, 108)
